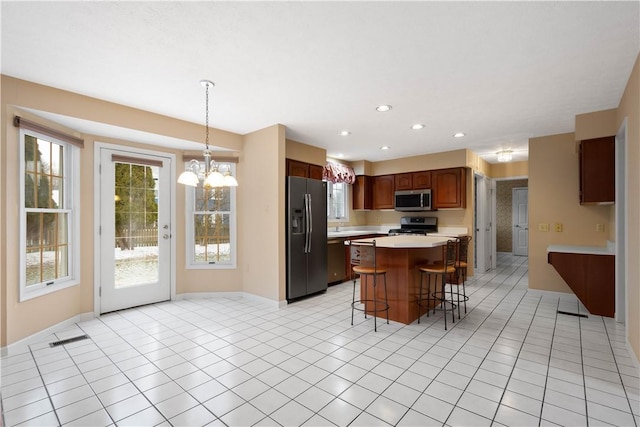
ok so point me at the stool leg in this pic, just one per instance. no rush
(464, 291)
(375, 306)
(386, 300)
(453, 306)
(353, 299)
(363, 284)
(443, 300)
(420, 299)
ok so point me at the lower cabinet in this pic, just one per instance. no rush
(336, 271)
(590, 277)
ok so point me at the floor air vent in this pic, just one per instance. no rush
(573, 314)
(68, 340)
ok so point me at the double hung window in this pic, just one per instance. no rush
(48, 214)
(337, 201)
(211, 225)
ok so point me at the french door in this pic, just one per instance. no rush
(135, 229)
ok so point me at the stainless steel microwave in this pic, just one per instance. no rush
(413, 200)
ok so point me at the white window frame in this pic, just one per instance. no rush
(190, 229)
(347, 191)
(71, 170)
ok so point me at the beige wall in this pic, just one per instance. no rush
(554, 198)
(596, 124)
(263, 213)
(629, 108)
(509, 169)
(305, 153)
(449, 159)
(20, 320)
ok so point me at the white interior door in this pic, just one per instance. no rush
(520, 220)
(135, 229)
(484, 232)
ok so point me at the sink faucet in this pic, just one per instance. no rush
(340, 224)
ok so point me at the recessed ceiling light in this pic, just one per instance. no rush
(385, 147)
(458, 135)
(417, 126)
(340, 155)
(345, 133)
(383, 108)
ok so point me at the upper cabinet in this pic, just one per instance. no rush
(403, 181)
(421, 180)
(413, 180)
(597, 171)
(304, 170)
(383, 191)
(363, 192)
(449, 188)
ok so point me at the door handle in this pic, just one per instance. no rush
(165, 236)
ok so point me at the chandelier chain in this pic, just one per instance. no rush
(206, 141)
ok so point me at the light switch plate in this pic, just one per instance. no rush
(543, 227)
(558, 227)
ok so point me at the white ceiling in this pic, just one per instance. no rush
(501, 72)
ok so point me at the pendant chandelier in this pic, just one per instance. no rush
(210, 176)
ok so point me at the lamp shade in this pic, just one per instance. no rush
(188, 178)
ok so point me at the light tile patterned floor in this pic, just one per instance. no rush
(513, 361)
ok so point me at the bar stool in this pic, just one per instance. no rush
(461, 269)
(364, 264)
(441, 269)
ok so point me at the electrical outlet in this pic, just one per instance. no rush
(600, 227)
(543, 227)
(558, 227)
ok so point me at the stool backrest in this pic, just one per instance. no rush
(463, 249)
(363, 253)
(450, 255)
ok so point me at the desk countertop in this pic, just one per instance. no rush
(588, 250)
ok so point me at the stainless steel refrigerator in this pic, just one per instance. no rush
(306, 237)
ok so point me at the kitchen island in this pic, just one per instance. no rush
(400, 256)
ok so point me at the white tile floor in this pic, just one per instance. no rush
(511, 361)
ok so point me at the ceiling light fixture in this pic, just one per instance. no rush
(505, 155)
(458, 135)
(211, 177)
(345, 133)
(385, 147)
(383, 108)
(417, 126)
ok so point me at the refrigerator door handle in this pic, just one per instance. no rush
(306, 223)
(310, 223)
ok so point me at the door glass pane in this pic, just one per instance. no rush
(136, 214)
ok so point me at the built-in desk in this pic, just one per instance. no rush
(590, 273)
(400, 256)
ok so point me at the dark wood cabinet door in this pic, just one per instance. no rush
(383, 191)
(421, 180)
(315, 172)
(449, 188)
(363, 192)
(597, 171)
(296, 168)
(403, 181)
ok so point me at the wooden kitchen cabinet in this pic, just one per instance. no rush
(304, 170)
(449, 188)
(363, 193)
(403, 181)
(383, 191)
(597, 171)
(421, 180)
(591, 277)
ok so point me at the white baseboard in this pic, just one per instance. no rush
(199, 295)
(556, 294)
(39, 336)
(246, 295)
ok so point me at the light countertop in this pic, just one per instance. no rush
(384, 229)
(406, 241)
(588, 250)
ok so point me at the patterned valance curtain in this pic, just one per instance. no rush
(336, 173)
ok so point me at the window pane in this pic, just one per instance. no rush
(212, 238)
